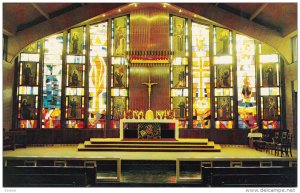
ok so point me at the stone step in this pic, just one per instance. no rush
(201, 141)
(210, 144)
(217, 148)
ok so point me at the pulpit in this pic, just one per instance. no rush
(252, 137)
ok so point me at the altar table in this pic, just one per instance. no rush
(122, 121)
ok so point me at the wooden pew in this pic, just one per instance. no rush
(249, 176)
(48, 176)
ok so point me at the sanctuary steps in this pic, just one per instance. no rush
(161, 145)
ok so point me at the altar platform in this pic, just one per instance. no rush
(149, 145)
(70, 152)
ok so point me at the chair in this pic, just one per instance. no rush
(287, 147)
(270, 146)
(281, 146)
(264, 141)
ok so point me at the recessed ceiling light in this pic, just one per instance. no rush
(119, 10)
(180, 10)
(103, 15)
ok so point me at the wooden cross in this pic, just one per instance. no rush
(149, 84)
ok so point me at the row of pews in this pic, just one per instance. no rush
(276, 176)
(83, 173)
(49, 176)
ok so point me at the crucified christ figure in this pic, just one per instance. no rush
(149, 84)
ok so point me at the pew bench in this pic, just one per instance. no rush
(49, 176)
(249, 176)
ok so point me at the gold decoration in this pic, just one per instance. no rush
(149, 85)
(149, 115)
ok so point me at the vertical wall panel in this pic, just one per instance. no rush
(149, 29)
(138, 93)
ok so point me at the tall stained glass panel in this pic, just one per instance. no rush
(223, 78)
(246, 77)
(119, 70)
(179, 70)
(269, 87)
(75, 78)
(201, 76)
(29, 68)
(98, 76)
(52, 79)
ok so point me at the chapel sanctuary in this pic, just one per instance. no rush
(149, 95)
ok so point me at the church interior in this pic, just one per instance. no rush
(149, 94)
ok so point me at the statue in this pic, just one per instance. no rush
(119, 81)
(270, 73)
(149, 113)
(27, 75)
(75, 43)
(25, 110)
(182, 109)
(73, 105)
(74, 79)
(179, 33)
(247, 92)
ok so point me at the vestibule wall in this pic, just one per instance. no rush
(8, 72)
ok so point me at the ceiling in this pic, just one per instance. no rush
(30, 14)
(280, 17)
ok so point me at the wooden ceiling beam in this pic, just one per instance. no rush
(9, 26)
(7, 32)
(258, 11)
(39, 9)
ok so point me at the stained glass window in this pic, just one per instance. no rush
(246, 77)
(257, 73)
(75, 78)
(201, 76)
(28, 86)
(98, 76)
(269, 87)
(179, 70)
(52, 79)
(119, 70)
(223, 78)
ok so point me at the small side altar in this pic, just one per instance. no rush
(153, 121)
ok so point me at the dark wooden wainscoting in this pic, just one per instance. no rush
(233, 136)
(75, 136)
(62, 136)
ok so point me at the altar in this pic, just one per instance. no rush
(154, 121)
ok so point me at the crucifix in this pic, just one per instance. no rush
(149, 84)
